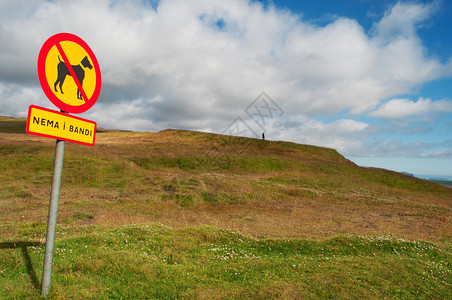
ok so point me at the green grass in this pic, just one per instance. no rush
(157, 261)
(443, 182)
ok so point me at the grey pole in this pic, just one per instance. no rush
(52, 218)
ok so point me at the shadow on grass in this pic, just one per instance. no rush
(28, 263)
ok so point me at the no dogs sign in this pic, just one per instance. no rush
(70, 77)
(69, 73)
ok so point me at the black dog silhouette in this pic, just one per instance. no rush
(78, 70)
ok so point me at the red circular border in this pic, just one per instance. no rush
(43, 79)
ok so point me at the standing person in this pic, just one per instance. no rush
(263, 135)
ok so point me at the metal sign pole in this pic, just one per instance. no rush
(52, 218)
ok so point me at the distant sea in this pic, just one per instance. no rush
(434, 177)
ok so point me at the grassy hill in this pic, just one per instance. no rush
(12, 125)
(181, 214)
(443, 182)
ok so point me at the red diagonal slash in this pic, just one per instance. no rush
(71, 70)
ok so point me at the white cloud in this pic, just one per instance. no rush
(403, 19)
(398, 109)
(178, 53)
(15, 99)
(345, 135)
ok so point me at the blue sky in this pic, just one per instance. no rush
(372, 79)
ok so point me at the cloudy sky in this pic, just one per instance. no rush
(372, 79)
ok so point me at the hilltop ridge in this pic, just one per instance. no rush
(217, 145)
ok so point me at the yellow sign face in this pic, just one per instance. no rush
(53, 124)
(60, 80)
(69, 73)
